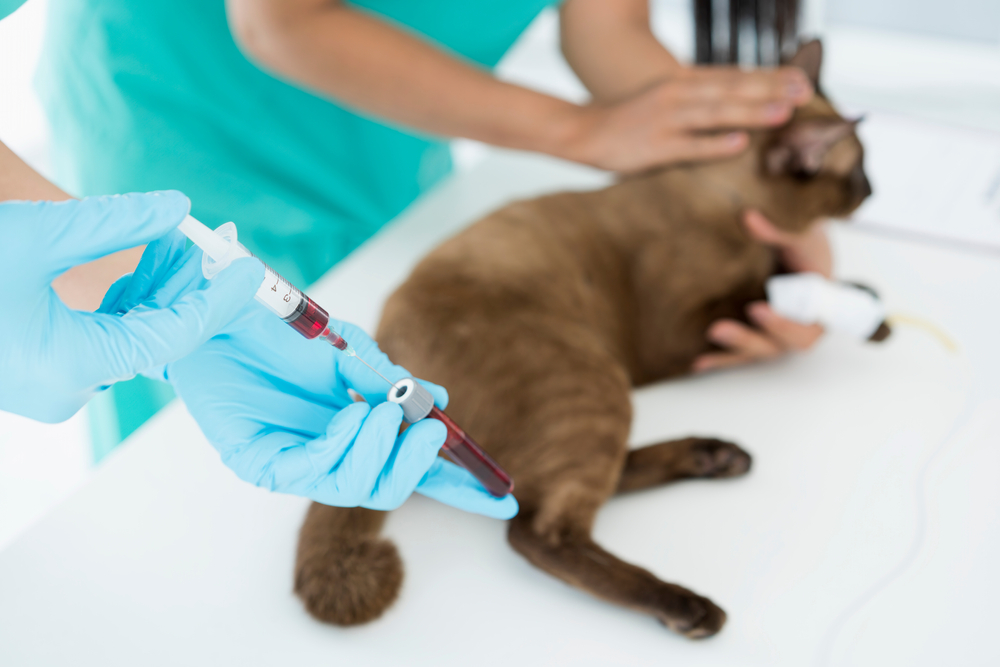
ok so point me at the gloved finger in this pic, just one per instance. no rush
(327, 452)
(365, 460)
(181, 278)
(741, 339)
(146, 337)
(792, 335)
(164, 274)
(80, 231)
(415, 452)
(447, 483)
(439, 393)
(111, 303)
(159, 260)
(275, 461)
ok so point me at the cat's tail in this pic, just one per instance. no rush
(344, 572)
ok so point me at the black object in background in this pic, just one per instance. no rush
(747, 32)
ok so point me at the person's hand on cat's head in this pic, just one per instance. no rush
(698, 113)
(772, 335)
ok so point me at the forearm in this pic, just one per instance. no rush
(367, 64)
(610, 46)
(19, 181)
(82, 287)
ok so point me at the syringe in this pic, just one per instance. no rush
(282, 298)
(222, 246)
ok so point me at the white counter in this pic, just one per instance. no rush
(165, 558)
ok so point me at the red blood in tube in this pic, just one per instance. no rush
(463, 450)
(309, 319)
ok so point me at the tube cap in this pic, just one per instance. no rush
(415, 400)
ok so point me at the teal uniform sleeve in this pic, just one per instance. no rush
(7, 7)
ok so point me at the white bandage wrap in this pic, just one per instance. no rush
(809, 298)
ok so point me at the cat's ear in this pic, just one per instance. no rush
(799, 149)
(809, 58)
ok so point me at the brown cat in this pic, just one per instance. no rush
(540, 318)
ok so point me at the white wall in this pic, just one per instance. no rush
(963, 19)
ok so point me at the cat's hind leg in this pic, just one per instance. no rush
(345, 573)
(556, 538)
(686, 458)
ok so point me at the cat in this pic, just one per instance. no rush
(541, 317)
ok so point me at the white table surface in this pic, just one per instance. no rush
(165, 558)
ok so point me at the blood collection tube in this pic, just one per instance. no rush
(417, 403)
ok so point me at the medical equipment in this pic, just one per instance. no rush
(307, 317)
(809, 298)
(417, 403)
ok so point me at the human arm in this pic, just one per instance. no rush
(80, 287)
(611, 48)
(771, 335)
(367, 64)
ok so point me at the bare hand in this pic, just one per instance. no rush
(774, 335)
(688, 117)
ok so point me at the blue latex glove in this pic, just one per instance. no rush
(276, 407)
(53, 359)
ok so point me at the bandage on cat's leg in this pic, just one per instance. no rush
(686, 458)
(561, 545)
(345, 573)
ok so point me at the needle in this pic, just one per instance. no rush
(391, 383)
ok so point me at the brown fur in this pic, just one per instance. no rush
(541, 317)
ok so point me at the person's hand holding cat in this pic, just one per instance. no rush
(690, 116)
(774, 335)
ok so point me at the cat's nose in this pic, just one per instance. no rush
(860, 187)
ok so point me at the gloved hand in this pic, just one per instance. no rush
(276, 407)
(53, 359)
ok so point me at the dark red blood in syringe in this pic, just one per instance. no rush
(463, 450)
(309, 319)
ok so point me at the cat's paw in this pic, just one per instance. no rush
(717, 458)
(351, 583)
(690, 614)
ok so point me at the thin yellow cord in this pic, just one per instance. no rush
(945, 340)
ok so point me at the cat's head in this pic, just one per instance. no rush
(812, 167)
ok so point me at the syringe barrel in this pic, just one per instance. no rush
(294, 307)
(282, 298)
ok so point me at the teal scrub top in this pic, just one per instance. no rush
(7, 7)
(154, 94)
